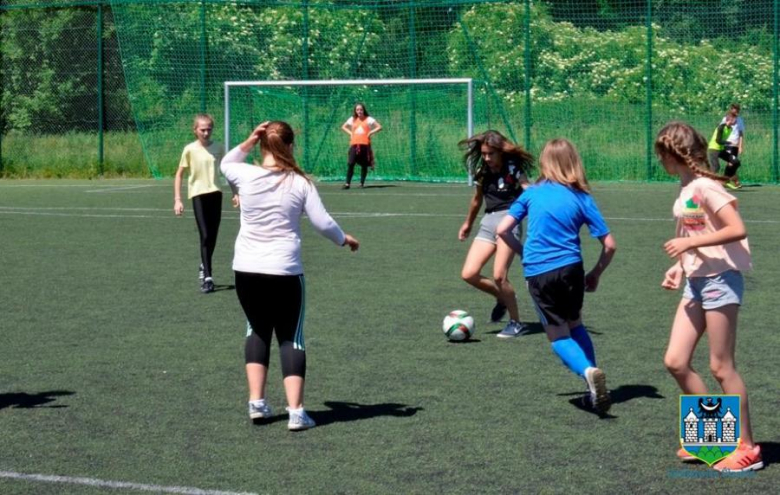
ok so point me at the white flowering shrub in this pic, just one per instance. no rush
(573, 62)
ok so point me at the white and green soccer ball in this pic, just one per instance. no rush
(458, 325)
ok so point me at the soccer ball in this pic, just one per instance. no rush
(458, 325)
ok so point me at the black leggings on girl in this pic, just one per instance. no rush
(208, 214)
(274, 304)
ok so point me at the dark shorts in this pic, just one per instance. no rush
(360, 155)
(558, 294)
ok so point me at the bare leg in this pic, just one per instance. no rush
(479, 254)
(255, 376)
(687, 329)
(293, 389)
(722, 335)
(501, 264)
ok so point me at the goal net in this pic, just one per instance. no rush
(422, 121)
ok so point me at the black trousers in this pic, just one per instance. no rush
(208, 215)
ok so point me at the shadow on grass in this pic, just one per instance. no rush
(770, 451)
(218, 287)
(467, 341)
(21, 400)
(342, 412)
(377, 186)
(623, 393)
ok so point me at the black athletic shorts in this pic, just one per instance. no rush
(558, 294)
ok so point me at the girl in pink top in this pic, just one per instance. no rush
(711, 250)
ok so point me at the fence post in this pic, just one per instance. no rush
(2, 88)
(100, 88)
(649, 90)
(203, 42)
(527, 68)
(305, 76)
(776, 97)
(412, 92)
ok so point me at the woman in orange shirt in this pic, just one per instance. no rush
(360, 128)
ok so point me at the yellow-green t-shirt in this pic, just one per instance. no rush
(202, 163)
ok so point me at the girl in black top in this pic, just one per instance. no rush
(499, 169)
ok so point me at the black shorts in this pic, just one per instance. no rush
(558, 294)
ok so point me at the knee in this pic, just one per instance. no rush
(469, 276)
(722, 370)
(676, 365)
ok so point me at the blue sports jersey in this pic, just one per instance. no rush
(555, 215)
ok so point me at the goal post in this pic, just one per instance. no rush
(422, 120)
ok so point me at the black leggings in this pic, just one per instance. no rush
(274, 304)
(731, 155)
(360, 154)
(208, 214)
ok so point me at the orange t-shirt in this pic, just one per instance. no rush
(360, 130)
(695, 211)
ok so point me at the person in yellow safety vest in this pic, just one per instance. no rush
(719, 149)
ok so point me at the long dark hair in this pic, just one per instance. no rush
(277, 140)
(354, 110)
(472, 155)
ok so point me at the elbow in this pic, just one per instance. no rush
(610, 246)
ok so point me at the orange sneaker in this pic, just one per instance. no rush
(744, 459)
(684, 456)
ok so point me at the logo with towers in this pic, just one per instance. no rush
(709, 426)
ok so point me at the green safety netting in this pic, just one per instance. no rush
(605, 74)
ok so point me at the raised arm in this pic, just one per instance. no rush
(377, 127)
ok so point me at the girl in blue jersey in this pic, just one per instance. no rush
(557, 205)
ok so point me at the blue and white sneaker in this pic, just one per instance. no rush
(299, 420)
(258, 409)
(513, 329)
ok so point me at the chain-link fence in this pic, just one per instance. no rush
(605, 74)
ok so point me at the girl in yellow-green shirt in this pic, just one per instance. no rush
(201, 159)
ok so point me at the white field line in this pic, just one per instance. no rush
(45, 478)
(118, 189)
(66, 211)
(93, 185)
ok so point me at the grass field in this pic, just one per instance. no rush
(117, 375)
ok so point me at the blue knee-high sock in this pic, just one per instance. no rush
(582, 338)
(571, 354)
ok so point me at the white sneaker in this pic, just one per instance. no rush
(597, 385)
(513, 329)
(259, 409)
(299, 420)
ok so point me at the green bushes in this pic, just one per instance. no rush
(583, 62)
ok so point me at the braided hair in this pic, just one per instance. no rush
(685, 143)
